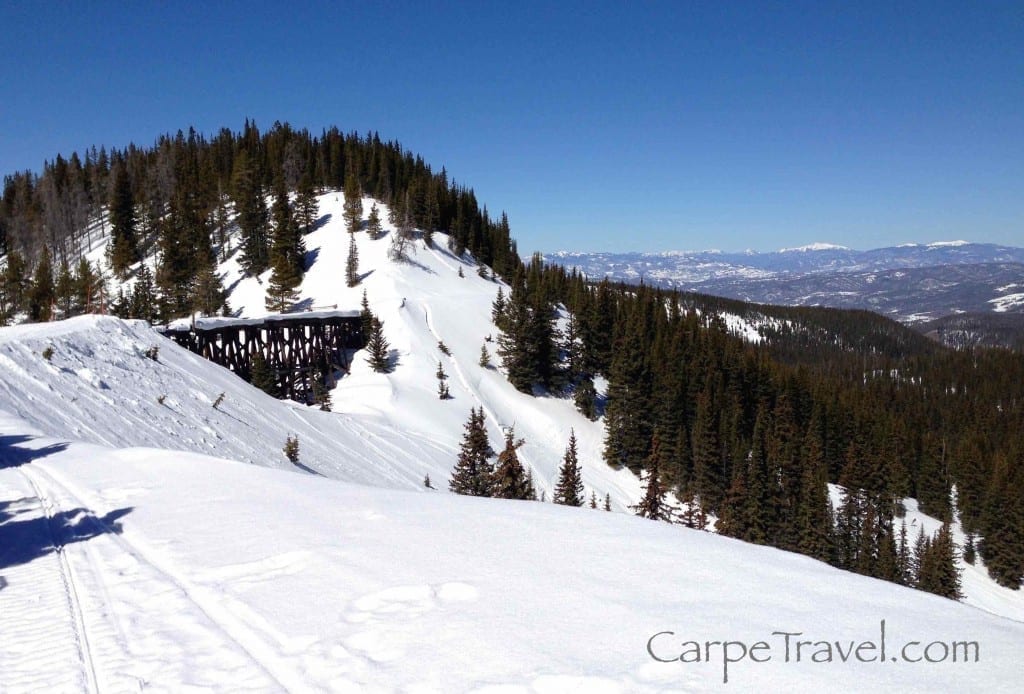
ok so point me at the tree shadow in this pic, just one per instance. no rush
(12, 454)
(320, 222)
(25, 539)
(26, 532)
(310, 258)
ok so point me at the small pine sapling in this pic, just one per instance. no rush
(153, 352)
(160, 399)
(461, 274)
(291, 448)
(607, 502)
(48, 353)
(444, 348)
(485, 357)
(218, 401)
(442, 387)
(427, 483)
(593, 499)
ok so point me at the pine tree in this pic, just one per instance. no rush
(291, 448)
(123, 248)
(607, 502)
(569, 489)
(352, 262)
(210, 297)
(64, 291)
(510, 480)
(262, 377)
(305, 204)
(593, 499)
(252, 215)
(353, 209)
(473, 474)
(143, 303)
(13, 281)
(41, 295)
(365, 318)
(653, 504)
(374, 229)
(585, 398)
(442, 387)
(485, 357)
(377, 348)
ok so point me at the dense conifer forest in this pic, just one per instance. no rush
(718, 427)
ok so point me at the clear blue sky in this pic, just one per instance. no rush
(596, 126)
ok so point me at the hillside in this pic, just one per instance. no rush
(396, 417)
(181, 571)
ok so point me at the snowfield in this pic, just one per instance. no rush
(181, 572)
(150, 541)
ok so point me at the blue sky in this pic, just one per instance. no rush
(596, 126)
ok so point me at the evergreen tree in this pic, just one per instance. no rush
(64, 291)
(585, 398)
(473, 474)
(89, 286)
(510, 479)
(142, 303)
(352, 262)
(377, 348)
(262, 376)
(251, 209)
(123, 249)
(291, 448)
(353, 209)
(282, 289)
(374, 229)
(13, 281)
(442, 387)
(653, 505)
(607, 502)
(485, 357)
(305, 204)
(41, 296)
(210, 297)
(569, 489)
(365, 318)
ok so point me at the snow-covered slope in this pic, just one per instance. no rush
(99, 364)
(181, 572)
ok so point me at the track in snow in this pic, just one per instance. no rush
(231, 628)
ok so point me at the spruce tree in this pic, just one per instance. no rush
(352, 262)
(510, 479)
(653, 505)
(374, 229)
(64, 291)
(473, 474)
(569, 489)
(377, 348)
(353, 209)
(442, 387)
(123, 248)
(305, 204)
(252, 215)
(41, 296)
(262, 376)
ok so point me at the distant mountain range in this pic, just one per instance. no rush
(912, 283)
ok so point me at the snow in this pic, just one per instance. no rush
(1007, 302)
(181, 572)
(195, 557)
(947, 244)
(817, 246)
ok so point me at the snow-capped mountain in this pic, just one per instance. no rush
(911, 282)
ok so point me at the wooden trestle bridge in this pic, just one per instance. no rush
(302, 351)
